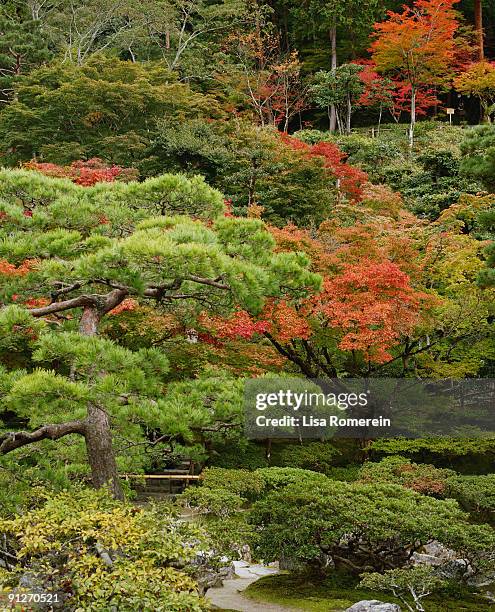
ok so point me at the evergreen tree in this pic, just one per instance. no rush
(22, 48)
(75, 255)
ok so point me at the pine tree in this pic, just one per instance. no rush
(22, 48)
(76, 254)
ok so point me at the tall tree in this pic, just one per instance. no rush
(22, 48)
(327, 18)
(417, 46)
(478, 24)
(112, 247)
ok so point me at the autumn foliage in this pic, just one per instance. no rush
(84, 173)
(8, 269)
(417, 49)
(372, 304)
(351, 180)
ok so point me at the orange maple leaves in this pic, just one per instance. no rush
(8, 269)
(84, 173)
(372, 304)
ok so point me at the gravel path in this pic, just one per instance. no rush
(230, 597)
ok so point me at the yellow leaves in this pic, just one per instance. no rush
(66, 536)
(455, 262)
(478, 80)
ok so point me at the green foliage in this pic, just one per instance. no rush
(102, 554)
(475, 494)
(341, 87)
(308, 522)
(251, 166)
(216, 502)
(429, 179)
(316, 456)
(409, 585)
(22, 48)
(487, 275)
(340, 591)
(436, 448)
(240, 482)
(112, 245)
(244, 455)
(103, 108)
(275, 478)
(478, 149)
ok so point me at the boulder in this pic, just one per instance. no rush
(456, 569)
(434, 553)
(373, 605)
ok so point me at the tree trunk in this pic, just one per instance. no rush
(478, 25)
(380, 118)
(101, 456)
(98, 434)
(413, 117)
(333, 42)
(349, 115)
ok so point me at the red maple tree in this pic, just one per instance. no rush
(417, 47)
(350, 180)
(84, 173)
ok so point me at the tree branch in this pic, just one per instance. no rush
(78, 302)
(16, 439)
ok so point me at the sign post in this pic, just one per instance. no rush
(450, 113)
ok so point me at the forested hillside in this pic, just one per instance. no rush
(201, 195)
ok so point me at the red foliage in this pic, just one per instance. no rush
(286, 321)
(126, 305)
(426, 98)
(240, 325)
(372, 303)
(36, 302)
(350, 180)
(8, 269)
(417, 47)
(393, 94)
(228, 208)
(84, 173)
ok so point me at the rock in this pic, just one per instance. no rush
(423, 559)
(481, 580)
(207, 577)
(457, 569)
(437, 549)
(445, 561)
(373, 605)
(246, 553)
(434, 554)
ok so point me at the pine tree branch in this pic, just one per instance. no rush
(78, 302)
(16, 439)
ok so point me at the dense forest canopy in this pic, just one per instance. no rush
(198, 193)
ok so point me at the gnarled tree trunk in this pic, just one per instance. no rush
(97, 431)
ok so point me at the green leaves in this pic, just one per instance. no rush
(306, 519)
(73, 111)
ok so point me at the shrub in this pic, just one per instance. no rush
(102, 554)
(476, 494)
(275, 478)
(240, 482)
(361, 527)
(423, 478)
(316, 456)
(410, 585)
